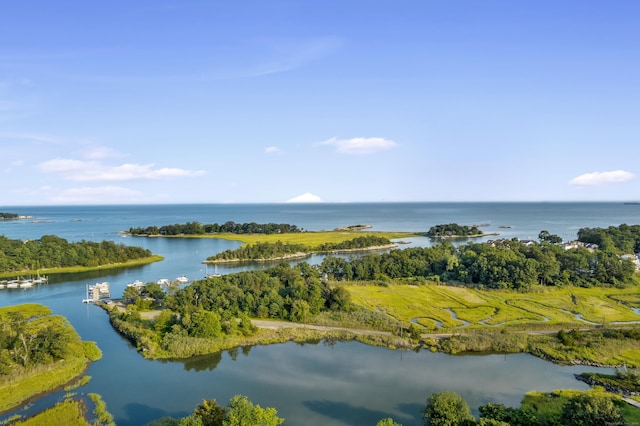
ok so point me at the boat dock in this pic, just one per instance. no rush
(23, 282)
(96, 292)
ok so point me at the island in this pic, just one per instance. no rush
(229, 227)
(453, 230)
(12, 216)
(276, 251)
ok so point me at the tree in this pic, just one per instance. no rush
(153, 290)
(210, 413)
(547, 237)
(500, 414)
(130, 292)
(204, 324)
(243, 413)
(446, 408)
(591, 410)
(388, 422)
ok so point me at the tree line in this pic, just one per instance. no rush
(4, 215)
(567, 408)
(504, 264)
(51, 251)
(197, 228)
(267, 250)
(623, 239)
(220, 307)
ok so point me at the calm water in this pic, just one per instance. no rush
(311, 384)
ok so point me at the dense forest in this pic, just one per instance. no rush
(55, 252)
(623, 239)
(220, 307)
(265, 250)
(453, 230)
(503, 264)
(196, 228)
(8, 216)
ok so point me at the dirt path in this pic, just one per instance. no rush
(284, 324)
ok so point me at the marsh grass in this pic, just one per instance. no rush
(310, 239)
(426, 304)
(68, 413)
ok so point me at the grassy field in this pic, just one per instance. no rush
(68, 413)
(310, 239)
(437, 307)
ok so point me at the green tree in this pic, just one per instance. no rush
(446, 408)
(388, 422)
(545, 236)
(130, 292)
(591, 410)
(204, 324)
(210, 413)
(243, 412)
(153, 290)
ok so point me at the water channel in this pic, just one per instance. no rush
(337, 383)
(323, 383)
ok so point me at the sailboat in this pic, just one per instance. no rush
(87, 299)
(40, 280)
(215, 273)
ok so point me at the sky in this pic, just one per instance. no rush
(269, 101)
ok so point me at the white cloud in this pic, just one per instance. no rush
(93, 171)
(602, 178)
(97, 195)
(272, 150)
(305, 198)
(101, 152)
(360, 145)
(31, 137)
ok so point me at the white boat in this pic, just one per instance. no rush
(182, 279)
(101, 288)
(13, 284)
(40, 280)
(136, 284)
(26, 284)
(163, 281)
(215, 273)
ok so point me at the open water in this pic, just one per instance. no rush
(339, 383)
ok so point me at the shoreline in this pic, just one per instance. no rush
(454, 237)
(302, 255)
(276, 331)
(80, 269)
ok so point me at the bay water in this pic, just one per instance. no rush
(322, 383)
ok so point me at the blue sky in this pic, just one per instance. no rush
(336, 101)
